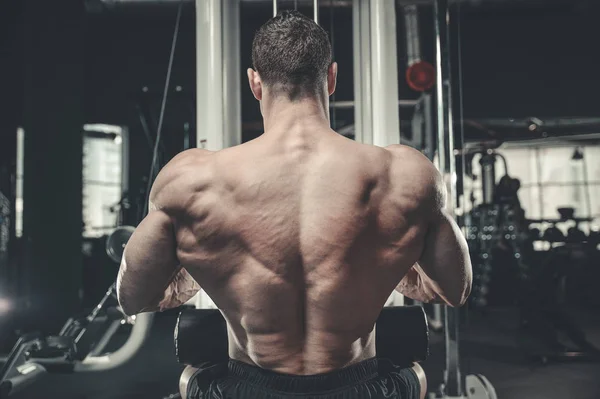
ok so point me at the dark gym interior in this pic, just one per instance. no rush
(81, 91)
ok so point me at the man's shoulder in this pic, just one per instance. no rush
(407, 153)
(409, 161)
(187, 157)
(179, 175)
(411, 171)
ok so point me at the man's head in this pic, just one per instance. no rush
(291, 56)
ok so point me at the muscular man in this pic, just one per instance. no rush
(299, 237)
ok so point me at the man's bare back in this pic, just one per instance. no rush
(299, 238)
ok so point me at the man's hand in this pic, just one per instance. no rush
(150, 277)
(415, 285)
(182, 289)
(444, 267)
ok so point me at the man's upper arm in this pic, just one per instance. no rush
(445, 260)
(150, 259)
(149, 263)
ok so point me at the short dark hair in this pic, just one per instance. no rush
(292, 54)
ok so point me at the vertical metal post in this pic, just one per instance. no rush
(376, 116)
(429, 128)
(384, 73)
(217, 74)
(362, 70)
(488, 177)
(218, 82)
(375, 73)
(209, 75)
(232, 90)
(453, 384)
(274, 8)
(316, 10)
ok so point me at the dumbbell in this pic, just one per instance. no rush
(575, 235)
(553, 234)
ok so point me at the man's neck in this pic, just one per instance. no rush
(283, 115)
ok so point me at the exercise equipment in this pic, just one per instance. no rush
(547, 330)
(401, 336)
(454, 384)
(80, 344)
(201, 339)
(115, 242)
(78, 347)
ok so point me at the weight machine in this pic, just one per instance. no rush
(76, 348)
(80, 345)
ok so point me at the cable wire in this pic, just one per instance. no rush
(162, 108)
(462, 136)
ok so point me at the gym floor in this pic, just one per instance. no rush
(489, 347)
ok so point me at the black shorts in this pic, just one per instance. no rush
(371, 379)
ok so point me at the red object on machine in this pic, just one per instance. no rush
(420, 76)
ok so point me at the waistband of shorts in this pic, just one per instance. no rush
(351, 375)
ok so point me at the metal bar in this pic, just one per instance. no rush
(124, 161)
(137, 337)
(362, 82)
(429, 129)
(274, 8)
(338, 3)
(352, 104)
(316, 11)
(488, 177)
(209, 75)
(108, 334)
(453, 385)
(232, 101)
(545, 122)
(384, 73)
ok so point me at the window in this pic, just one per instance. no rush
(104, 177)
(552, 177)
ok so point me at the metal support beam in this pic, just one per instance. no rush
(362, 71)
(218, 82)
(384, 73)
(376, 115)
(352, 104)
(453, 384)
(375, 72)
(232, 90)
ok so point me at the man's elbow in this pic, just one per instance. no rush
(129, 310)
(460, 298)
(128, 305)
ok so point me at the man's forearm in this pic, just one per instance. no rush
(180, 289)
(445, 261)
(417, 286)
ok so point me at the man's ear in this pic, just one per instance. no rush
(332, 77)
(255, 83)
